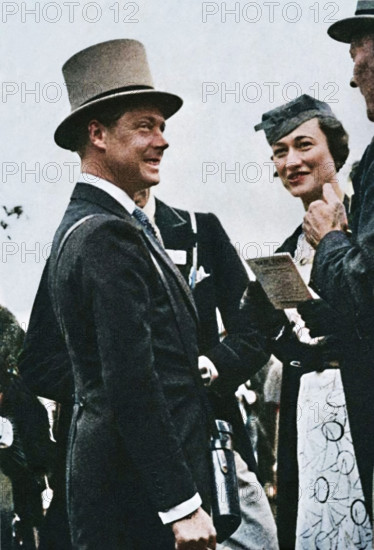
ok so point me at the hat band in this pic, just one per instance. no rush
(117, 91)
(365, 7)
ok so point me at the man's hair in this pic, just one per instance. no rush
(360, 35)
(337, 139)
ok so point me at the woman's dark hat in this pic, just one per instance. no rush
(279, 122)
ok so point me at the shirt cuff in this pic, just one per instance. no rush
(181, 510)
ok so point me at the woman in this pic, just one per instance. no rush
(319, 486)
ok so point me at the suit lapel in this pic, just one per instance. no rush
(163, 257)
(176, 231)
(167, 217)
(92, 194)
(177, 234)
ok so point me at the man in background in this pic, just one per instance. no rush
(343, 269)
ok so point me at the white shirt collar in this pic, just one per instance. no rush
(118, 194)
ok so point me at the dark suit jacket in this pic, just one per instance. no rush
(139, 437)
(343, 274)
(242, 352)
(227, 279)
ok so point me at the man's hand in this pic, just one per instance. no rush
(208, 371)
(324, 216)
(195, 532)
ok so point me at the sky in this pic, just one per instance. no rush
(229, 61)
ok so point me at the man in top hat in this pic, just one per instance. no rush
(137, 461)
(343, 270)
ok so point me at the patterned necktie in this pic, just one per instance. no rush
(144, 220)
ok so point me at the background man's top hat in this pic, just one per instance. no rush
(361, 23)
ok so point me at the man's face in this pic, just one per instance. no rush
(362, 53)
(304, 162)
(134, 148)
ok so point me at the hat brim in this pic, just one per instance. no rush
(70, 127)
(346, 29)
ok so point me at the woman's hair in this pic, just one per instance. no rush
(337, 139)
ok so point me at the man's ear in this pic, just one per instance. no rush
(97, 134)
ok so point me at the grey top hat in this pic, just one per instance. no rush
(362, 22)
(279, 122)
(116, 70)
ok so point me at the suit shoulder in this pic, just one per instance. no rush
(88, 236)
(208, 217)
(99, 223)
(210, 223)
(202, 218)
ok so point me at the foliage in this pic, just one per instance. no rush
(15, 211)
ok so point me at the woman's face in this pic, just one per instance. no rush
(304, 162)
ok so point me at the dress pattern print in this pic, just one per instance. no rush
(331, 514)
